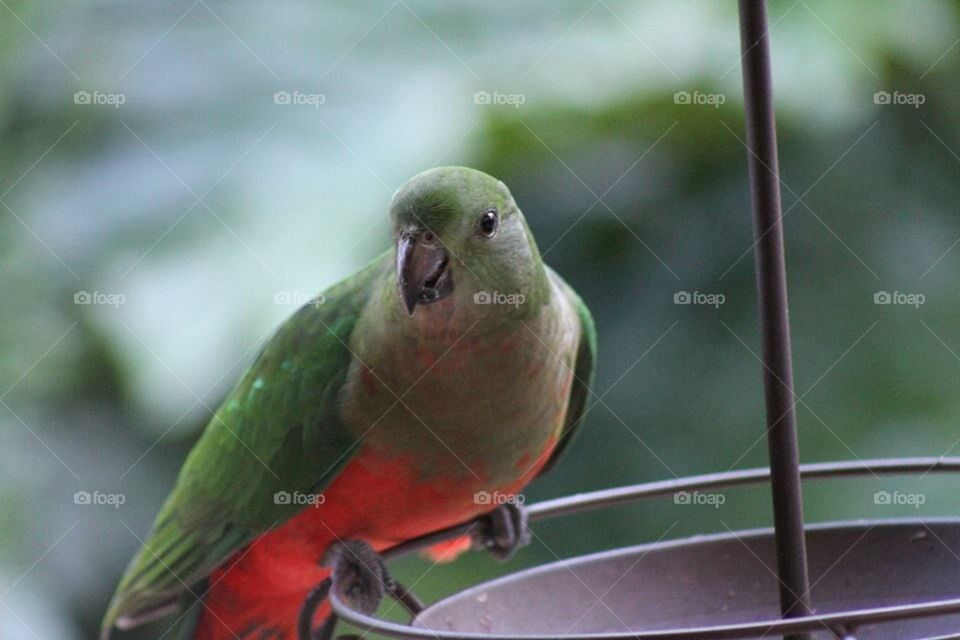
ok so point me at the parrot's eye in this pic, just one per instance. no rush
(489, 222)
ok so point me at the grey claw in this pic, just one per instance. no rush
(505, 531)
(360, 575)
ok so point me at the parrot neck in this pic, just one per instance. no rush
(468, 388)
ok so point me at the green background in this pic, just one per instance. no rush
(199, 200)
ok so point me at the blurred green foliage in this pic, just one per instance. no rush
(199, 199)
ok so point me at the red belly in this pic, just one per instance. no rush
(380, 500)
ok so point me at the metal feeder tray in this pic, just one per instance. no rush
(874, 579)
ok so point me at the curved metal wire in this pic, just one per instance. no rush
(624, 495)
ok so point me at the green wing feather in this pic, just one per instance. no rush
(583, 371)
(278, 430)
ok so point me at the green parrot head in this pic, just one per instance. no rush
(461, 238)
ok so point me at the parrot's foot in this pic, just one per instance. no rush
(503, 531)
(361, 578)
(360, 575)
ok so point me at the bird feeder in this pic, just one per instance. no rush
(864, 580)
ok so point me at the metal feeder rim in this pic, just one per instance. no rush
(730, 631)
(603, 498)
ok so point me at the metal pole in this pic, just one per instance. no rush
(774, 314)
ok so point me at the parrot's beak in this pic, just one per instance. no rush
(422, 273)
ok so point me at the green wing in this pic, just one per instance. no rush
(583, 371)
(277, 431)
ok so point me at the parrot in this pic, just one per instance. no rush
(423, 391)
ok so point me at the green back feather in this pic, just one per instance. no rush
(278, 430)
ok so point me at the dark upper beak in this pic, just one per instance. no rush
(420, 271)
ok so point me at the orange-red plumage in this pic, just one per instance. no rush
(375, 498)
